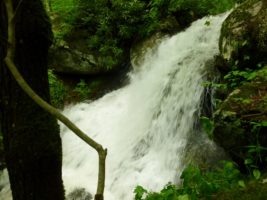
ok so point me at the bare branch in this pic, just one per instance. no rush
(17, 8)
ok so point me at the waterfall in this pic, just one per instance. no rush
(147, 125)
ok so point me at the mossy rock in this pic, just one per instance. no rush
(243, 40)
(71, 55)
(79, 194)
(254, 189)
(236, 119)
(139, 48)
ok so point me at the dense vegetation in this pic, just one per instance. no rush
(113, 25)
(206, 185)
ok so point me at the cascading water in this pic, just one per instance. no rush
(146, 125)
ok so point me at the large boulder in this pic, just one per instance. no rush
(63, 59)
(243, 41)
(140, 49)
(66, 60)
(71, 55)
(240, 122)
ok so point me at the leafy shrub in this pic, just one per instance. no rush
(256, 153)
(58, 91)
(112, 25)
(83, 90)
(202, 7)
(66, 12)
(236, 78)
(207, 125)
(196, 184)
(87, 90)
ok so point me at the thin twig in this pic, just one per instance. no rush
(252, 115)
(17, 8)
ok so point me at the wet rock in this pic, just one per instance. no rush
(139, 50)
(79, 194)
(65, 60)
(243, 40)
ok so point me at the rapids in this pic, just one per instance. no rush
(146, 125)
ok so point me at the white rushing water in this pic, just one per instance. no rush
(145, 125)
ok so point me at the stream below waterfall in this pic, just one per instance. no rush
(148, 125)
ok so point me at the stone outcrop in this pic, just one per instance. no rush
(139, 50)
(243, 41)
(63, 59)
(72, 56)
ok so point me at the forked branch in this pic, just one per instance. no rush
(9, 60)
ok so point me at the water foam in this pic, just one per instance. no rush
(145, 125)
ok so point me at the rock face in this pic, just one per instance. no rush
(79, 194)
(139, 50)
(240, 122)
(63, 59)
(243, 40)
(72, 56)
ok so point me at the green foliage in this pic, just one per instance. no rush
(66, 11)
(139, 192)
(256, 174)
(62, 6)
(207, 125)
(58, 91)
(199, 184)
(202, 7)
(85, 90)
(112, 25)
(236, 78)
(255, 151)
(196, 184)
(241, 100)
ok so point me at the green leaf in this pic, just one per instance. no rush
(207, 125)
(207, 23)
(256, 174)
(183, 197)
(241, 183)
(139, 192)
(248, 161)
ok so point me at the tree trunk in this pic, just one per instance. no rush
(31, 136)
